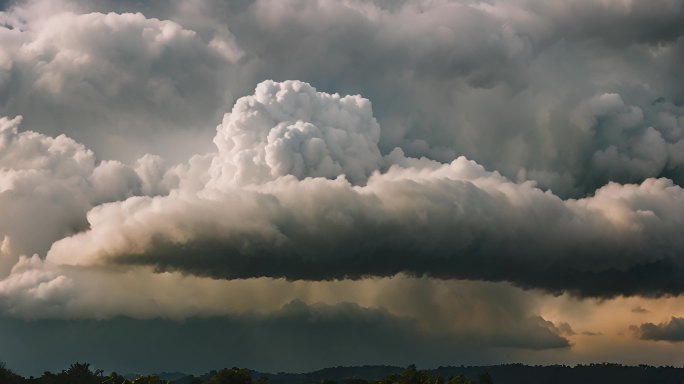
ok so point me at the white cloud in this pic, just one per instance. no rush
(419, 216)
(290, 129)
(113, 81)
(48, 184)
(155, 77)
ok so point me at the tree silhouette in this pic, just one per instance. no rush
(115, 378)
(485, 378)
(7, 376)
(231, 376)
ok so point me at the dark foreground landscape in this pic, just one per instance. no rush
(83, 373)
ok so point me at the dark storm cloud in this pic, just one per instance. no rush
(271, 202)
(298, 337)
(537, 142)
(669, 331)
(309, 185)
(446, 250)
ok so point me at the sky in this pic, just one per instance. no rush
(288, 185)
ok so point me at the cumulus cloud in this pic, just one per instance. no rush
(672, 331)
(290, 129)
(48, 184)
(108, 78)
(30, 287)
(534, 63)
(421, 217)
(124, 94)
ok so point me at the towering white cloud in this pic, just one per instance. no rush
(255, 217)
(290, 129)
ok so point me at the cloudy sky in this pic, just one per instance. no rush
(287, 185)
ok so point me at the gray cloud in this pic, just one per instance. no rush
(123, 84)
(434, 96)
(532, 142)
(297, 337)
(239, 213)
(415, 216)
(669, 331)
(566, 329)
(434, 71)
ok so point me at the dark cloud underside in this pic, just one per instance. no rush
(296, 338)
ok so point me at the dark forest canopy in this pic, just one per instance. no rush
(83, 373)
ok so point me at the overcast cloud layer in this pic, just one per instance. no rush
(273, 148)
(297, 337)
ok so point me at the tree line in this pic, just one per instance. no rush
(82, 373)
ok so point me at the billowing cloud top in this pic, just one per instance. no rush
(290, 129)
(275, 201)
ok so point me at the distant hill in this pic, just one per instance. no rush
(82, 373)
(561, 374)
(501, 374)
(338, 374)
